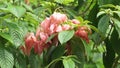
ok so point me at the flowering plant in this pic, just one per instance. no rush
(58, 36)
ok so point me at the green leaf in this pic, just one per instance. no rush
(34, 61)
(51, 37)
(104, 24)
(10, 24)
(97, 38)
(29, 8)
(20, 61)
(68, 63)
(58, 52)
(6, 36)
(18, 11)
(93, 14)
(6, 59)
(65, 36)
(117, 7)
(70, 12)
(64, 1)
(108, 5)
(117, 25)
(109, 56)
(115, 41)
(117, 12)
(31, 16)
(101, 13)
(16, 37)
(54, 61)
(78, 50)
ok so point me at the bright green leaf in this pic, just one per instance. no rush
(100, 13)
(117, 25)
(64, 1)
(108, 5)
(29, 8)
(65, 36)
(117, 12)
(68, 63)
(11, 25)
(6, 59)
(117, 7)
(18, 11)
(16, 37)
(6, 36)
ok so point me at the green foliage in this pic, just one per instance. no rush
(78, 49)
(18, 11)
(104, 24)
(58, 52)
(6, 36)
(64, 1)
(109, 55)
(6, 58)
(68, 63)
(117, 25)
(19, 17)
(65, 36)
(16, 37)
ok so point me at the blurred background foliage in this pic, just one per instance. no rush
(18, 17)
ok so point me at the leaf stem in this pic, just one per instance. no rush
(115, 62)
(53, 62)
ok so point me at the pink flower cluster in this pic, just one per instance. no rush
(52, 25)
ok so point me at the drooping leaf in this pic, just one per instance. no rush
(20, 61)
(104, 24)
(10, 24)
(117, 25)
(109, 56)
(100, 13)
(65, 36)
(78, 49)
(117, 12)
(58, 52)
(6, 36)
(97, 38)
(18, 11)
(115, 41)
(16, 37)
(6, 59)
(34, 61)
(68, 63)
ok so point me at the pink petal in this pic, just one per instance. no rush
(59, 28)
(75, 21)
(66, 27)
